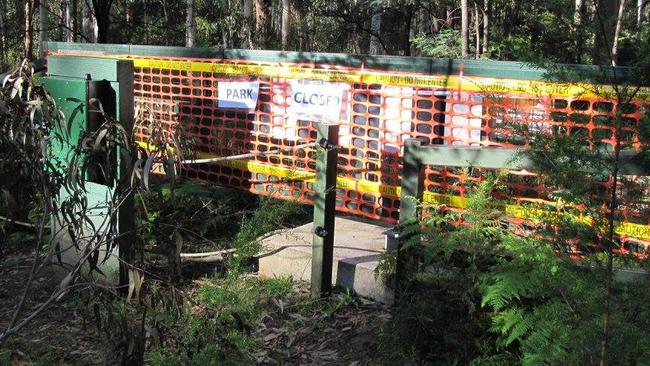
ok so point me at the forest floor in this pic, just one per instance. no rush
(289, 330)
(58, 336)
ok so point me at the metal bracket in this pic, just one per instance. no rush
(320, 231)
(324, 144)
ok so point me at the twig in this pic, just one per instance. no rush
(249, 155)
(28, 284)
(207, 254)
(16, 222)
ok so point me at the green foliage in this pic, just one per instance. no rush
(190, 218)
(444, 44)
(515, 47)
(441, 291)
(505, 299)
(217, 329)
(551, 310)
(547, 307)
(27, 116)
(271, 214)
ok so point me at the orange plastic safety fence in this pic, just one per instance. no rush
(375, 121)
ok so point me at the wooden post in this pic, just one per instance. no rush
(324, 211)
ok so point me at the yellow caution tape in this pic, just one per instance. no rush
(452, 82)
(536, 214)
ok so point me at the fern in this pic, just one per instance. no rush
(513, 324)
(506, 287)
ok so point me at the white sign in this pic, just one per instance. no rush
(238, 94)
(323, 101)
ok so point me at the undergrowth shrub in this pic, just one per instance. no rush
(217, 329)
(477, 293)
(271, 214)
(548, 308)
(191, 218)
(197, 218)
(439, 319)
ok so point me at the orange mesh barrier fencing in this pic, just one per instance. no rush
(378, 111)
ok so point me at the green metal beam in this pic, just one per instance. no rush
(481, 68)
(490, 158)
(416, 155)
(412, 180)
(78, 67)
(124, 85)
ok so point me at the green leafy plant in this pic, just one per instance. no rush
(441, 290)
(190, 218)
(271, 214)
(444, 44)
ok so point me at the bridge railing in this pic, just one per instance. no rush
(386, 100)
(418, 155)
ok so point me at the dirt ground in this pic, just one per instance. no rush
(59, 336)
(346, 337)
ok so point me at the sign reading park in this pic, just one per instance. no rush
(323, 101)
(238, 94)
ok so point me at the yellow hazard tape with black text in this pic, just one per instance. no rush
(452, 82)
(518, 211)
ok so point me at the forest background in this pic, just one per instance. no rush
(564, 31)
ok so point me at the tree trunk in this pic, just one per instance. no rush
(577, 28)
(477, 29)
(406, 36)
(577, 13)
(27, 34)
(464, 29)
(60, 36)
(19, 6)
(75, 21)
(374, 48)
(247, 39)
(68, 20)
(190, 24)
(617, 31)
(310, 32)
(639, 13)
(3, 40)
(303, 15)
(42, 27)
(102, 12)
(89, 22)
(486, 22)
(285, 24)
(605, 13)
(424, 21)
(261, 23)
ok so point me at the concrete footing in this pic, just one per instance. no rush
(358, 246)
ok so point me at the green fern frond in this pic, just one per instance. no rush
(520, 324)
(506, 287)
(513, 324)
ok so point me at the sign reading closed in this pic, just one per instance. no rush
(238, 94)
(323, 101)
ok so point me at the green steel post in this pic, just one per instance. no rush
(411, 195)
(412, 181)
(324, 211)
(126, 214)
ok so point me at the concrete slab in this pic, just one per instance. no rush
(358, 246)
